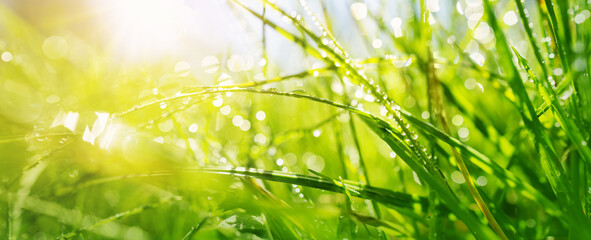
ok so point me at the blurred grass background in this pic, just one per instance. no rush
(294, 120)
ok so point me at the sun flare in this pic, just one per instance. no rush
(143, 30)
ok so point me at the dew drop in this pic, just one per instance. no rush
(377, 43)
(166, 126)
(396, 24)
(218, 102)
(260, 115)
(316, 133)
(237, 120)
(159, 140)
(482, 181)
(225, 110)
(358, 10)
(510, 18)
(245, 126)
(580, 18)
(463, 132)
(260, 139)
(193, 127)
(182, 68)
(457, 177)
(425, 115)
(457, 120)
(55, 47)
(6, 56)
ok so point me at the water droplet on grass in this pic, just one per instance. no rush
(510, 18)
(580, 18)
(260, 139)
(55, 47)
(225, 110)
(457, 120)
(236, 63)
(316, 133)
(482, 181)
(6, 56)
(237, 120)
(425, 115)
(457, 177)
(272, 90)
(463, 132)
(396, 24)
(314, 162)
(218, 102)
(478, 58)
(358, 10)
(182, 68)
(159, 140)
(193, 128)
(166, 126)
(376, 43)
(245, 126)
(260, 115)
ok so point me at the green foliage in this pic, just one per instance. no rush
(411, 119)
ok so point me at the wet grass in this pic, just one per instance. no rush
(413, 120)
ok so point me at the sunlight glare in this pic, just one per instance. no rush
(146, 29)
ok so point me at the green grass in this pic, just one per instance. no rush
(470, 121)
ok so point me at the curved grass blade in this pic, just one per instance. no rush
(381, 195)
(118, 216)
(71, 217)
(195, 229)
(478, 158)
(384, 196)
(303, 74)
